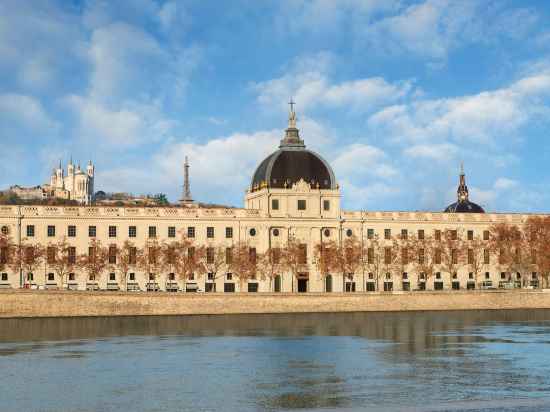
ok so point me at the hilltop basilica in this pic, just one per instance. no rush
(293, 196)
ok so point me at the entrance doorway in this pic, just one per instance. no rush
(303, 279)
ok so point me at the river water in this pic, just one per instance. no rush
(419, 361)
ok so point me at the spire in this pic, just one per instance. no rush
(292, 134)
(186, 198)
(462, 191)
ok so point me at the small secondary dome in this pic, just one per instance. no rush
(463, 204)
(292, 163)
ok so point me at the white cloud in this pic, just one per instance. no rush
(25, 112)
(478, 118)
(128, 125)
(439, 152)
(361, 161)
(308, 82)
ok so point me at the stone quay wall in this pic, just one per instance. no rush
(21, 303)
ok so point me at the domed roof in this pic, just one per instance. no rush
(463, 204)
(464, 207)
(291, 163)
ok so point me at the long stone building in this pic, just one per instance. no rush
(293, 194)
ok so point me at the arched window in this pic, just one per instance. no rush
(328, 283)
(277, 283)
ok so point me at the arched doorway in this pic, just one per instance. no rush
(277, 286)
(328, 283)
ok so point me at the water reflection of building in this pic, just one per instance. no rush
(294, 196)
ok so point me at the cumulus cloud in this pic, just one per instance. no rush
(308, 81)
(477, 118)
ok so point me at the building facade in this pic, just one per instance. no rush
(293, 196)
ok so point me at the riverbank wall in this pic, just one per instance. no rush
(23, 303)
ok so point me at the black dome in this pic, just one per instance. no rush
(287, 166)
(464, 207)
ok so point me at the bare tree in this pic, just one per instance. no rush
(477, 256)
(374, 258)
(324, 256)
(294, 258)
(96, 261)
(214, 260)
(426, 252)
(150, 261)
(7, 251)
(63, 260)
(126, 260)
(28, 257)
(537, 234)
(243, 262)
(507, 244)
(269, 264)
(452, 251)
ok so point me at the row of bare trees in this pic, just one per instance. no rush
(508, 247)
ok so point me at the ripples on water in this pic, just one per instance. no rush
(452, 361)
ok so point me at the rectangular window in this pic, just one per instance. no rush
(132, 255)
(302, 257)
(229, 287)
(112, 277)
(486, 256)
(326, 205)
(209, 255)
(252, 255)
(51, 276)
(210, 276)
(228, 255)
(191, 253)
(71, 231)
(438, 234)
(275, 204)
(301, 204)
(470, 235)
(112, 231)
(370, 255)
(91, 253)
(171, 231)
(454, 256)
(387, 233)
(454, 235)
(487, 275)
(132, 231)
(71, 255)
(3, 255)
(228, 232)
(152, 255)
(370, 233)
(92, 231)
(132, 276)
(191, 232)
(438, 256)
(387, 255)
(485, 235)
(404, 234)
(405, 256)
(4, 277)
(71, 276)
(152, 231)
(210, 232)
(112, 254)
(421, 234)
(421, 256)
(470, 256)
(51, 231)
(50, 254)
(30, 230)
(229, 276)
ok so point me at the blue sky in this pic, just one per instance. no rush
(395, 94)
